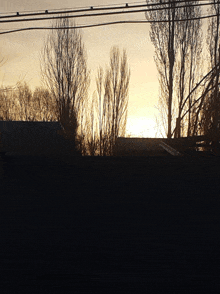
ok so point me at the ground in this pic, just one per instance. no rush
(110, 225)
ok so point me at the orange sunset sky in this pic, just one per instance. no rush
(21, 52)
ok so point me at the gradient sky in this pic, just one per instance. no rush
(21, 52)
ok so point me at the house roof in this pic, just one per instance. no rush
(28, 137)
(10, 126)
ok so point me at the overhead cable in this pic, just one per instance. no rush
(101, 14)
(95, 8)
(106, 24)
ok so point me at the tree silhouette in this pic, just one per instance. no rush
(64, 69)
(112, 89)
(213, 99)
(177, 53)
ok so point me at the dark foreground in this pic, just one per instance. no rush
(110, 225)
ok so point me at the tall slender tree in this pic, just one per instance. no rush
(213, 42)
(112, 89)
(64, 67)
(165, 40)
(189, 66)
(177, 51)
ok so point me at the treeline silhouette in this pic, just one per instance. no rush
(93, 124)
(189, 87)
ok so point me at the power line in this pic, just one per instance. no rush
(114, 22)
(21, 13)
(106, 24)
(105, 13)
(94, 8)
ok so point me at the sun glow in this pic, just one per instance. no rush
(141, 127)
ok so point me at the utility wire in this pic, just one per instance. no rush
(42, 11)
(115, 22)
(105, 24)
(102, 14)
(95, 8)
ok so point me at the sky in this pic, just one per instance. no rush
(21, 52)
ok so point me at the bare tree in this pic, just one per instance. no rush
(64, 68)
(22, 104)
(104, 115)
(8, 97)
(177, 52)
(44, 105)
(189, 66)
(213, 100)
(199, 103)
(24, 98)
(99, 87)
(112, 92)
(91, 126)
(165, 40)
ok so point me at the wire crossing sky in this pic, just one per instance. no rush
(18, 15)
(103, 25)
(98, 7)
(66, 13)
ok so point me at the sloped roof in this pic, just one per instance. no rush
(10, 126)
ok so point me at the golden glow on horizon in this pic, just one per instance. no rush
(141, 127)
(22, 52)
